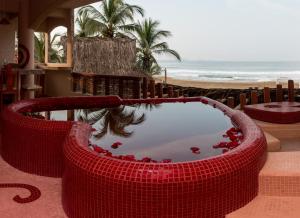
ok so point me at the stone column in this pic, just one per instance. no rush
(26, 38)
(46, 48)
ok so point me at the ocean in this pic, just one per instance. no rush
(221, 71)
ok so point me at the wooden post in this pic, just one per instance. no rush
(170, 92)
(291, 87)
(83, 88)
(243, 101)
(121, 88)
(94, 85)
(166, 77)
(160, 90)
(137, 89)
(46, 49)
(145, 88)
(74, 80)
(70, 115)
(279, 93)
(267, 95)
(254, 97)
(43, 84)
(176, 94)
(230, 102)
(152, 89)
(107, 86)
(180, 92)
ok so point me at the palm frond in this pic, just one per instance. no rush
(113, 18)
(168, 51)
(149, 41)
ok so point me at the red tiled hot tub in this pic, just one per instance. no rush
(101, 186)
(276, 112)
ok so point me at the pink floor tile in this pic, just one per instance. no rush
(48, 205)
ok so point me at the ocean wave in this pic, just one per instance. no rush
(258, 76)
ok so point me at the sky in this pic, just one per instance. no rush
(229, 30)
(232, 30)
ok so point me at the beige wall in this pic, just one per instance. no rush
(39, 10)
(7, 42)
(58, 83)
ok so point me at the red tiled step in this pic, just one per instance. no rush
(269, 207)
(281, 175)
(273, 143)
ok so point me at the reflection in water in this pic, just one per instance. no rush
(114, 120)
(36, 115)
(167, 132)
(148, 107)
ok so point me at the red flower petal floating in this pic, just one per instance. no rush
(229, 133)
(119, 157)
(116, 145)
(167, 161)
(232, 129)
(108, 154)
(233, 138)
(241, 137)
(146, 160)
(195, 150)
(98, 149)
(221, 145)
(129, 158)
(233, 145)
(234, 134)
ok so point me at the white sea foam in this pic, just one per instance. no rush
(234, 71)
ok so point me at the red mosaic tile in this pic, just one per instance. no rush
(94, 186)
(276, 112)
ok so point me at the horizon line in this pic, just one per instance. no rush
(235, 61)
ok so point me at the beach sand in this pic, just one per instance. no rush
(219, 85)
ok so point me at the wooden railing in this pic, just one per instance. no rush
(147, 88)
(125, 87)
(267, 95)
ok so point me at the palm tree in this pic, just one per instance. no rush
(114, 120)
(149, 44)
(155, 69)
(87, 22)
(54, 48)
(39, 47)
(110, 20)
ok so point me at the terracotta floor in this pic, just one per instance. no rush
(47, 206)
(292, 144)
(270, 207)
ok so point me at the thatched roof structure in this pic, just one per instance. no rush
(105, 56)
